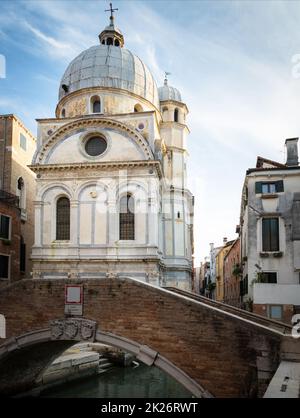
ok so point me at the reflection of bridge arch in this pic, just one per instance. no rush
(42, 347)
(204, 344)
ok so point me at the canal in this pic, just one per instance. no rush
(122, 382)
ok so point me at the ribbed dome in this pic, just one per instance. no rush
(109, 66)
(169, 93)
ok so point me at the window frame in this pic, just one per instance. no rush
(128, 214)
(270, 309)
(56, 219)
(279, 187)
(267, 244)
(266, 273)
(23, 137)
(9, 226)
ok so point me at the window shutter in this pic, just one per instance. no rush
(279, 186)
(258, 187)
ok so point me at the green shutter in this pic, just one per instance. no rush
(258, 187)
(279, 186)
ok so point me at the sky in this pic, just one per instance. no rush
(236, 64)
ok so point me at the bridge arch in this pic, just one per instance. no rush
(225, 352)
(44, 345)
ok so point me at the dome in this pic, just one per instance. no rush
(109, 66)
(169, 93)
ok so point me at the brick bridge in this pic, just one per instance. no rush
(211, 348)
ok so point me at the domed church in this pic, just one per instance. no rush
(111, 196)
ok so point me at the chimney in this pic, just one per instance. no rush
(224, 240)
(291, 152)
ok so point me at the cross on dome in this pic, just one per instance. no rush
(111, 35)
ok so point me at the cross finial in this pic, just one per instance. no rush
(111, 10)
(166, 78)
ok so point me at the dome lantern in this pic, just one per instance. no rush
(167, 92)
(111, 35)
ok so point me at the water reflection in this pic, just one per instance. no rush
(141, 382)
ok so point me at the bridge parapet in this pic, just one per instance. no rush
(212, 351)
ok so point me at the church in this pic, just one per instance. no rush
(111, 196)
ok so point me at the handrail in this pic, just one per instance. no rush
(271, 323)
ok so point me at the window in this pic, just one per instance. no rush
(95, 105)
(268, 277)
(138, 108)
(22, 255)
(63, 113)
(269, 187)
(4, 227)
(4, 267)
(270, 234)
(95, 146)
(176, 115)
(117, 43)
(275, 311)
(63, 219)
(127, 218)
(23, 142)
(109, 41)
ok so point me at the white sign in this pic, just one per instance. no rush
(74, 300)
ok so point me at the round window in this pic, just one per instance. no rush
(95, 146)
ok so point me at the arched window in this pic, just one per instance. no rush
(138, 108)
(176, 115)
(117, 43)
(95, 104)
(21, 193)
(127, 217)
(63, 113)
(110, 41)
(165, 113)
(63, 219)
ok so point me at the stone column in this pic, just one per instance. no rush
(74, 222)
(38, 208)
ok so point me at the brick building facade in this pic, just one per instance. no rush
(17, 147)
(11, 246)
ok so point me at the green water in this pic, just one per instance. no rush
(140, 382)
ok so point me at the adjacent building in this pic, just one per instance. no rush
(220, 256)
(270, 236)
(17, 191)
(204, 277)
(10, 239)
(111, 173)
(232, 275)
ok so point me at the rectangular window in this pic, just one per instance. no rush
(270, 234)
(266, 187)
(22, 256)
(4, 266)
(23, 142)
(4, 226)
(269, 277)
(275, 311)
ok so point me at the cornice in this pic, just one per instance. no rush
(38, 168)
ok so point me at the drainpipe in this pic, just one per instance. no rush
(4, 153)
